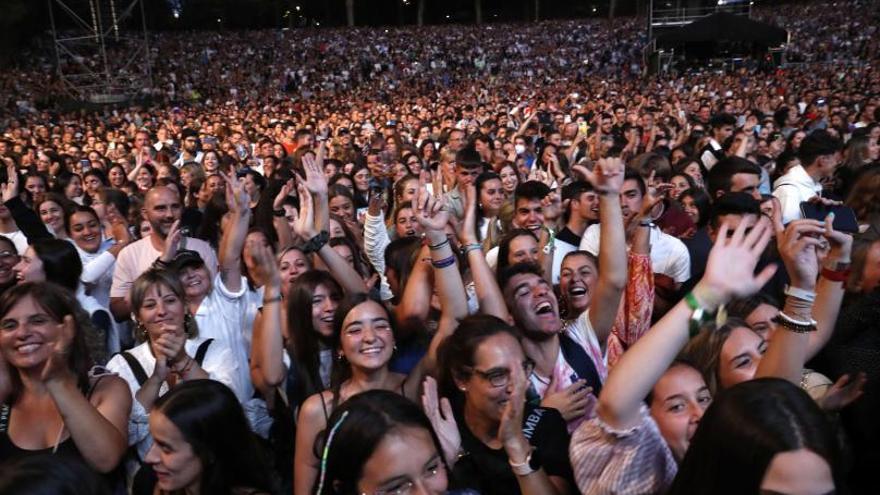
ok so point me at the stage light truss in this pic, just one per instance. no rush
(102, 49)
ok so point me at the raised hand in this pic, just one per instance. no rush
(797, 247)
(841, 242)
(305, 222)
(606, 177)
(467, 234)
(730, 270)
(439, 412)
(265, 271)
(56, 367)
(236, 197)
(431, 212)
(278, 202)
(172, 242)
(10, 189)
(314, 180)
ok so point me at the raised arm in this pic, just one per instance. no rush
(307, 227)
(282, 228)
(607, 180)
(787, 350)
(232, 241)
(316, 184)
(645, 362)
(489, 295)
(829, 293)
(267, 351)
(433, 215)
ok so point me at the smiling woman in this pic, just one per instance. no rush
(43, 355)
(188, 456)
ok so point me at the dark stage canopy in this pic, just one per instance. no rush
(724, 27)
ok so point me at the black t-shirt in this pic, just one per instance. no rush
(567, 236)
(488, 470)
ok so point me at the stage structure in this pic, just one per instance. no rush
(102, 50)
(708, 33)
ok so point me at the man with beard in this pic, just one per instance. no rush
(161, 209)
(569, 357)
(190, 148)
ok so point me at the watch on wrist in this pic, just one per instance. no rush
(531, 464)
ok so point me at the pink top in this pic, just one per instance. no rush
(636, 461)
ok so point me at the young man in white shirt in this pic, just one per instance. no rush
(819, 154)
(669, 256)
(722, 128)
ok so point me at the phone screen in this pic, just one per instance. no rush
(844, 216)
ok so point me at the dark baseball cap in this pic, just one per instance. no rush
(186, 258)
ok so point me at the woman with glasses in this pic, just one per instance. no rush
(494, 441)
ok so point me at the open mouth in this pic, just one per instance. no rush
(577, 291)
(544, 308)
(29, 348)
(327, 319)
(370, 351)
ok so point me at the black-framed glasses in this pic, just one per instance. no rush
(501, 377)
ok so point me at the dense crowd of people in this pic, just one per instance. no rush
(465, 260)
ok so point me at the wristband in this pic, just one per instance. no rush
(315, 244)
(527, 467)
(551, 241)
(795, 326)
(835, 275)
(803, 294)
(467, 248)
(445, 262)
(271, 299)
(434, 247)
(697, 317)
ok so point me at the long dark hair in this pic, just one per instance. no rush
(211, 420)
(456, 354)
(362, 422)
(57, 302)
(304, 344)
(61, 262)
(482, 179)
(744, 428)
(342, 371)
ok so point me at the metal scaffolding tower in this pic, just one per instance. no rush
(101, 48)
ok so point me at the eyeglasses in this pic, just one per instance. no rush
(406, 487)
(8, 257)
(501, 377)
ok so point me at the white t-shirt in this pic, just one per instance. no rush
(138, 257)
(669, 256)
(218, 364)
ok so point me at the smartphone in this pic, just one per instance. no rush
(844, 216)
(85, 165)
(582, 128)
